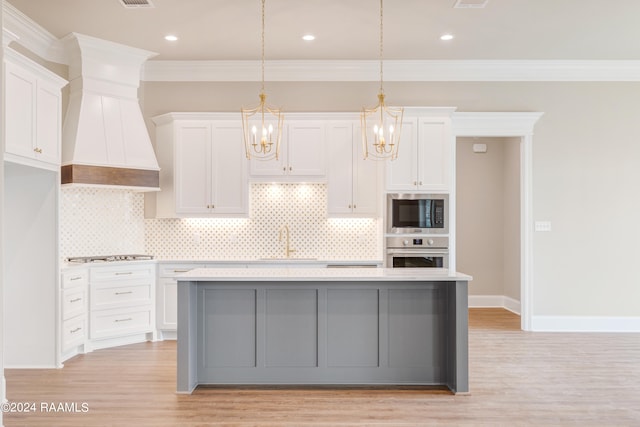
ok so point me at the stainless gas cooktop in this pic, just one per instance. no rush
(109, 258)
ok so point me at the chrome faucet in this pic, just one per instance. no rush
(287, 249)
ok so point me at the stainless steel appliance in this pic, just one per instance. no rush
(109, 258)
(418, 252)
(417, 213)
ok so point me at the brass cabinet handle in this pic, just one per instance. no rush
(73, 331)
(124, 320)
(75, 299)
(76, 278)
(123, 273)
(123, 293)
(38, 150)
(181, 271)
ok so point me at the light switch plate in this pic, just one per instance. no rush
(542, 226)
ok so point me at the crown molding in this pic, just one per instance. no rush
(395, 71)
(31, 35)
(38, 40)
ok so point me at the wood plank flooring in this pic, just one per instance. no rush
(516, 379)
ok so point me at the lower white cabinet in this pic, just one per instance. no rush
(73, 319)
(167, 293)
(121, 303)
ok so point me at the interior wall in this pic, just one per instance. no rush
(585, 152)
(480, 214)
(30, 240)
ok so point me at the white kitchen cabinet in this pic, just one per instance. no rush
(167, 293)
(33, 113)
(203, 168)
(122, 304)
(302, 154)
(425, 153)
(352, 181)
(73, 318)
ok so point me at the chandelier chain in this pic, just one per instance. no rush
(381, 47)
(262, 46)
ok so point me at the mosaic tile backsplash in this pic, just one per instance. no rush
(101, 221)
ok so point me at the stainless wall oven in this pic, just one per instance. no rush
(417, 252)
(417, 213)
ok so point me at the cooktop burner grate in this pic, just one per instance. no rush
(109, 258)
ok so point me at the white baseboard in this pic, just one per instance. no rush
(492, 301)
(585, 324)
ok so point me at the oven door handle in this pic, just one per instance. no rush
(413, 252)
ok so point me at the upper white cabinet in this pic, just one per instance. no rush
(352, 182)
(33, 113)
(202, 167)
(302, 154)
(425, 159)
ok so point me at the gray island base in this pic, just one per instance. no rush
(356, 326)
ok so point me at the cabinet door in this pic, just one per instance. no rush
(167, 304)
(434, 154)
(193, 168)
(306, 148)
(366, 188)
(230, 193)
(48, 119)
(402, 173)
(340, 168)
(20, 90)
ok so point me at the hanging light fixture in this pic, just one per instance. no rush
(382, 124)
(262, 125)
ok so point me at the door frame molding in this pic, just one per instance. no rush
(504, 124)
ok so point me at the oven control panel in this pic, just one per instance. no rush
(417, 242)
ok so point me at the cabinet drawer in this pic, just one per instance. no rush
(113, 323)
(73, 332)
(115, 295)
(75, 278)
(73, 302)
(124, 272)
(172, 270)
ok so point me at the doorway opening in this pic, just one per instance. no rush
(488, 219)
(511, 125)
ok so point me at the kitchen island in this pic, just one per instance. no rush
(355, 326)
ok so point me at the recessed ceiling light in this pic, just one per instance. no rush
(171, 37)
(308, 37)
(446, 37)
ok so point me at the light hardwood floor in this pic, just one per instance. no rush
(516, 379)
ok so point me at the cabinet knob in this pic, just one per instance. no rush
(354, 206)
(284, 168)
(38, 150)
(415, 182)
(290, 168)
(349, 206)
(420, 182)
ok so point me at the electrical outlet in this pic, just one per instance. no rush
(542, 226)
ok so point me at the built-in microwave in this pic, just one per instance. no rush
(417, 213)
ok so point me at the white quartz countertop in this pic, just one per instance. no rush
(322, 274)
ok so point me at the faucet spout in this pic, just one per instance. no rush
(285, 229)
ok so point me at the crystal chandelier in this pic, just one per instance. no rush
(262, 125)
(382, 124)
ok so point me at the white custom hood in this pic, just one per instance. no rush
(104, 138)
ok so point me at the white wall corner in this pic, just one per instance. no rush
(585, 324)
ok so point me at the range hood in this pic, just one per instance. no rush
(104, 138)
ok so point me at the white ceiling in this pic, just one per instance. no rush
(348, 29)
